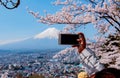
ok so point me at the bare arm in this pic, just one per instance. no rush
(82, 43)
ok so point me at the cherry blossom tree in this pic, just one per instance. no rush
(104, 15)
(109, 51)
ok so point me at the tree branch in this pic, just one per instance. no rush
(113, 25)
(112, 19)
(13, 4)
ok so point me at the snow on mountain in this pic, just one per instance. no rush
(44, 40)
(51, 33)
(68, 55)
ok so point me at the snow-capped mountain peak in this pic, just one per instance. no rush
(51, 33)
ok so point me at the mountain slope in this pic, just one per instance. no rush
(33, 44)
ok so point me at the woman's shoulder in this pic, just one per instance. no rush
(87, 49)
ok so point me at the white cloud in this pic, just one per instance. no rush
(51, 33)
(3, 42)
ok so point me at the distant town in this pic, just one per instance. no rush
(38, 62)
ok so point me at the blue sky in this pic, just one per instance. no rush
(19, 24)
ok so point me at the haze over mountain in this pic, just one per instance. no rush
(47, 39)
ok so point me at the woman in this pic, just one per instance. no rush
(88, 57)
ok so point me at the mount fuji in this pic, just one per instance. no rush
(48, 39)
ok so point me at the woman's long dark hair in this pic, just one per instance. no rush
(108, 73)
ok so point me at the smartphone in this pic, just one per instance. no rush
(68, 39)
